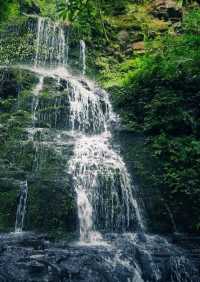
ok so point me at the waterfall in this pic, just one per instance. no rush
(83, 56)
(104, 190)
(50, 43)
(21, 208)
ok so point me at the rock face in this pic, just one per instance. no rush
(167, 10)
(30, 8)
(35, 147)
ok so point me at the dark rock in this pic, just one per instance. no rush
(30, 8)
(167, 10)
(125, 258)
(8, 85)
(84, 83)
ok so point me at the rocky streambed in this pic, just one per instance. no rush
(128, 257)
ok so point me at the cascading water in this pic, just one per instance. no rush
(83, 56)
(35, 101)
(50, 44)
(104, 192)
(21, 208)
(103, 187)
(88, 112)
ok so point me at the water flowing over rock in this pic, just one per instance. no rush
(51, 46)
(83, 56)
(103, 187)
(21, 209)
(88, 112)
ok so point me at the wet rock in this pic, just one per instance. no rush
(36, 267)
(30, 8)
(84, 83)
(124, 258)
(39, 155)
(11, 85)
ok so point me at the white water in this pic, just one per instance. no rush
(39, 31)
(35, 101)
(50, 43)
(83, 56)
(104, 190)
(88, 112)
(21, 208)
(103, 187)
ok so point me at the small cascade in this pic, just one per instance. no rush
(104, 190)
(83, 56)
(21, 208)
(50, 43)
(35, 101)
(67, 47)
(40, 28)
(35, 104)
(88, 112)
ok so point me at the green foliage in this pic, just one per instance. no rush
(88, 16)
(9, 9)
(159, 96)
(191, 22)
(17, 46)
(85, 15)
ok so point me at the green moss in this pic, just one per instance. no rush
(17, 48)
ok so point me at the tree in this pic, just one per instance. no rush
(87, 15)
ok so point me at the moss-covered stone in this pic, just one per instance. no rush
(35, 154)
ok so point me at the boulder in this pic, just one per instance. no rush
(123, 36)
(167, 10)
(138, 47)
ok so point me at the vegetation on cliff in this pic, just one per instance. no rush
(157, 94)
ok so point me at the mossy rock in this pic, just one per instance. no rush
(35, 154)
